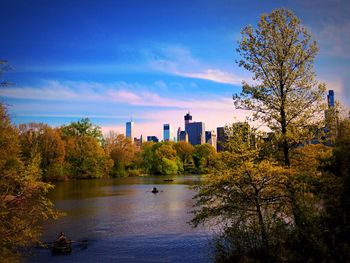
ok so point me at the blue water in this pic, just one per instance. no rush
(123, 221)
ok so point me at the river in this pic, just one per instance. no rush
(123, 221)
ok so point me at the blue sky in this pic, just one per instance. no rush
(147, 60)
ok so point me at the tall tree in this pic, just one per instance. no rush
(285, 95)
(23, 203)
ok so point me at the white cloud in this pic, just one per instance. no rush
(179, 61)
(214, 110)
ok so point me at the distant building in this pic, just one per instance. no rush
(129, 133)
(246, 131)
(167, 133)
(195, 130)
(188, 118)
(221, 138)
(182, 136)
(138, 142)
(330, 98)
(331, 120)
(152, 139)
(210, 138)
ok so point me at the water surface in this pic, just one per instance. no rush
(124, 222)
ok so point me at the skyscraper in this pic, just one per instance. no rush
(221, 138)
(188, 119)
(167, 134)
(210, 138)
(182, 136)
(129, 133)
(330, 98)
(195, 130)
(152, 139)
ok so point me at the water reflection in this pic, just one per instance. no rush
(125, 222)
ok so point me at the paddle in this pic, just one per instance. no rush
(50, 244)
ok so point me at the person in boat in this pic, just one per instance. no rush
(155, 190)
(62, 240)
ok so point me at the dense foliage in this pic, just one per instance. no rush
(23, 203)
(279, 197)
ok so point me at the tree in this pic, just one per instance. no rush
(204, 157)
(121, 150)
(84, 127)
(85, 157)
(246, 197)
(165, 158)
(280, 54)
(39, 138)
(23, 203)
(147, 157)
(185, 151)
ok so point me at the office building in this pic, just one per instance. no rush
(188, 118)
(195, 130)
(167, 133)
(330, 98)
(129, 133)
(210, 138)
(183, 136)
(152, 139)
(221, 138)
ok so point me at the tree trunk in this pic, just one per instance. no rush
(263, 231)
(285, 145)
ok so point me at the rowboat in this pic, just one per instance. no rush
(61, 249)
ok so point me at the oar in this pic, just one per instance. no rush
(78, 241)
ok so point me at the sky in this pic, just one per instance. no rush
(151, 61)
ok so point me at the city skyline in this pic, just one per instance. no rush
(110, 60)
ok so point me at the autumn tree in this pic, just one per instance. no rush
(23, 203)
(85, 157)
(39, 138)
(245, 197)
(285, 95)
(121, 150)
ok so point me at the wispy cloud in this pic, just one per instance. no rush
(156, 109)
(179, 61)
(122, 92)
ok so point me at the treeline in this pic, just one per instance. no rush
(80, 151)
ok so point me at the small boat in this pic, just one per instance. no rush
(61, 249)
(168, 180)
(155, 190)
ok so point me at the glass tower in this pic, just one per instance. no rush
(130, 130)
